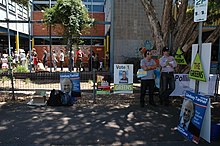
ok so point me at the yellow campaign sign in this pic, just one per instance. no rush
(180, 58)
(196, 72)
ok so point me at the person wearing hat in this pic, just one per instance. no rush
(167, 85)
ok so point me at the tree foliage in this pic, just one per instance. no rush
(71, 14)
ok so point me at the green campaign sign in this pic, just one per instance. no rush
(196, 71)
(180, 58)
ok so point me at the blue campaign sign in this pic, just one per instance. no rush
(70, 82)
(191, 116)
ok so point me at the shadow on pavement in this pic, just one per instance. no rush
(115, 120)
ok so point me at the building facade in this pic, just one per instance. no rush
(129, 28)
(19, 32)
(93, 39)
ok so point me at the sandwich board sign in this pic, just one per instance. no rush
(205, 60)
(196, 71)
(180, 58)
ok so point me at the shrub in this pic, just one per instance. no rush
(4, 78)
(27, 80)
(20, 68)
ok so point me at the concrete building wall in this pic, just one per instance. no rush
(15, 15)
(130, 28)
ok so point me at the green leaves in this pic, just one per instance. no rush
(72, 14)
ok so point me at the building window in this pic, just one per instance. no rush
(95, 8)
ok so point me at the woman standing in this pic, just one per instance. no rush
(147, 64)
(54, 58)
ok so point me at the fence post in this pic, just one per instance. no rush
(94, 81)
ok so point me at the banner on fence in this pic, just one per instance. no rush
(192, 115)
(123, 78)
(70, 83)
(103, 86)
(182, 83)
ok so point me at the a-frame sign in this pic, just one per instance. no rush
(196, 71)
(180, 58)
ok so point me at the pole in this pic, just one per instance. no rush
(93, 71)
(111, 52)
(50, 42)
(9, 51)
(199, 51)
(29, 38)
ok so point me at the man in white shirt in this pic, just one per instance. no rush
(168, 64)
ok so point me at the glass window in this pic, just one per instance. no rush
(95, 8)
(98, 8)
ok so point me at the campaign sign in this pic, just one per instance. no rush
(103, 86)
(192, 115)
(182, 84)
(123, 78)
(70, 83)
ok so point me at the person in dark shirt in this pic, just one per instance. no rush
(124, 78)
(69, 97)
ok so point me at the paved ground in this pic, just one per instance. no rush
(113, 120)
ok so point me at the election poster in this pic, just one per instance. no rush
(182, 84)
(70, 85)
(179, 57)
(192, 115)
(103, 86)
(123, 78)
(201, 68)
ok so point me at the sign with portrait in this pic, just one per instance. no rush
(123, 78)
(70, 86)
(192, 115)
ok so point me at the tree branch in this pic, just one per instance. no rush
(190, 41)
(213, 36)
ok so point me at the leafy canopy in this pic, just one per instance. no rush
(72, 14)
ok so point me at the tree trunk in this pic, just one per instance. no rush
(166, 19)
(181, 15)
(190, 41)
(154, 24)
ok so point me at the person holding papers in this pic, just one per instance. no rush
(147, 64)
(167, 85)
